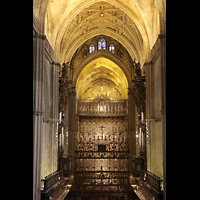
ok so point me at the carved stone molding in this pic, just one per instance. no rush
(56, 63)
(38, 35)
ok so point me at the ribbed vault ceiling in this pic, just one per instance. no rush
(134, 21)
(68, 24)
(102, 76)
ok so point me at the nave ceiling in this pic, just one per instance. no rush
(102, 77)
(69, 23)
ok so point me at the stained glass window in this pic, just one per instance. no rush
(112, 48)
(102, 44)
(91, 48)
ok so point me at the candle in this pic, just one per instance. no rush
(142, 139)
(142, 117)
(66, 137)
(60, 117)
(61, 138)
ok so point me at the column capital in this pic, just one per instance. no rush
(148, 63)
(163, 35)
(55, 63)
(38, 35)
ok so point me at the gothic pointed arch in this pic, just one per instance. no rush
(105, 56)
(104, 71)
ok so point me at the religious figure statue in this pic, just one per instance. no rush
(137, 68)
(65, 69)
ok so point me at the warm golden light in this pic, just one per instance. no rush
(134, 187)
(102, 76)
(69, 187)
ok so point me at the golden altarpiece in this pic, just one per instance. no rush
(102, 147)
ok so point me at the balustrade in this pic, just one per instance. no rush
(101, 107)
(101, 150)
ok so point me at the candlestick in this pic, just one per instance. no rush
(142, 117)
(60, 115)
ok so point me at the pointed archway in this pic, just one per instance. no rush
(102, 72)
(101, 145)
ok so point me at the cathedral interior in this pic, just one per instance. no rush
(99, 99)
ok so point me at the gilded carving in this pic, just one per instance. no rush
(101, 148)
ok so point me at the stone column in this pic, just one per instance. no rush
(149, 108)
(66, 119)
(72, 125)
(38, 45)
(131, 129)
(55, 113)
(163, 103)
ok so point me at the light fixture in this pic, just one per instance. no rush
(69, 187)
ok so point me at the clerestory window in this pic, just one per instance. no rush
(112, 48)
(102, 44)
(91, 48)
